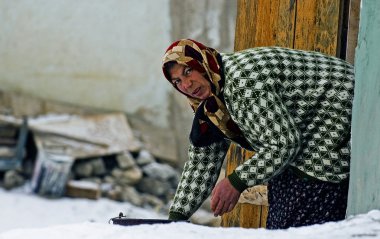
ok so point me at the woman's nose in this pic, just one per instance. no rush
(186, 83)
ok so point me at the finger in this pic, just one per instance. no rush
(225, 208)
(230, 207)
(214, 203)
(219, 208)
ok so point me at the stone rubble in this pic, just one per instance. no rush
(138, 178)
(141, 179)
(145, 175)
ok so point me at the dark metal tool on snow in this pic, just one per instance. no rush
(124, 221)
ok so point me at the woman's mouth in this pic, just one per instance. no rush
(196, 91)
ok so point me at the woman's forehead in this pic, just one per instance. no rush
(176, 70)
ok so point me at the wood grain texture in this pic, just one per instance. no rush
(244, 214)
(264, 23)
(353, 29)
(300, 24)
(236, 156)
(317, 25)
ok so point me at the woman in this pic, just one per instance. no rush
(292, 107)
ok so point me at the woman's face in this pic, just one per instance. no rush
(190, 81)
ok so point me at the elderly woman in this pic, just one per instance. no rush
(291, 107)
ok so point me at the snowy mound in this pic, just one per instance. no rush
(362, 226)
(29, 216)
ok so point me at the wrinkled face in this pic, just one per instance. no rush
(189, 81)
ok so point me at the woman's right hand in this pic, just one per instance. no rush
(224, 197)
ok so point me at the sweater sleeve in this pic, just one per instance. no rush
(198, 179)
(270, 128)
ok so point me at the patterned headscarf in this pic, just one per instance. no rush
(205, 60)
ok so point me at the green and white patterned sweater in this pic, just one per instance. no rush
(294, 109)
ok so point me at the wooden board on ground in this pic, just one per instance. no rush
(81, 189)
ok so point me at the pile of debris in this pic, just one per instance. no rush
(87, 156)
(89, 153)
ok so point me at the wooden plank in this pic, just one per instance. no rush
(6, 153)
(264, 216)
(83, 189)
(8, 132)
(238, 217)
(317, 25)
(258, 23)
(264, 23)
(8, 142)
(244, 214)
(51, 173)
(110, 131)
(301, 24)
(236, 156)
(353, 28)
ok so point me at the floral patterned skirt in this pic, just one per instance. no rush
(295, 201)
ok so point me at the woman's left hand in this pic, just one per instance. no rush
(224, 197)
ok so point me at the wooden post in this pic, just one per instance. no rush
(301, 24)
(318, 26)
(244, 214)
(352, 31)
(264, 23)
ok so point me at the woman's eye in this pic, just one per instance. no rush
(188, 71)
(176, 82)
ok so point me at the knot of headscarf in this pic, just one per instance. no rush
(205, 60)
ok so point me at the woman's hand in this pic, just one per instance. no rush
(224, 197)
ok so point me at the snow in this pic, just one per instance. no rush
(25, 215)
(83, 184)
(22, 209)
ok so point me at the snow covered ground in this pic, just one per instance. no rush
(24, 215)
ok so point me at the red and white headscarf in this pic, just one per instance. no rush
(205, 60)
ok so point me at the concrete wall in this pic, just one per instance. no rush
(91, 52)
(107, 54)
(364, 192)
(211, 22)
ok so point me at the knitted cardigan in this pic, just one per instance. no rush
(294, 109)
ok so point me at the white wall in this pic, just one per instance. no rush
(107, 54)
(97, 53)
